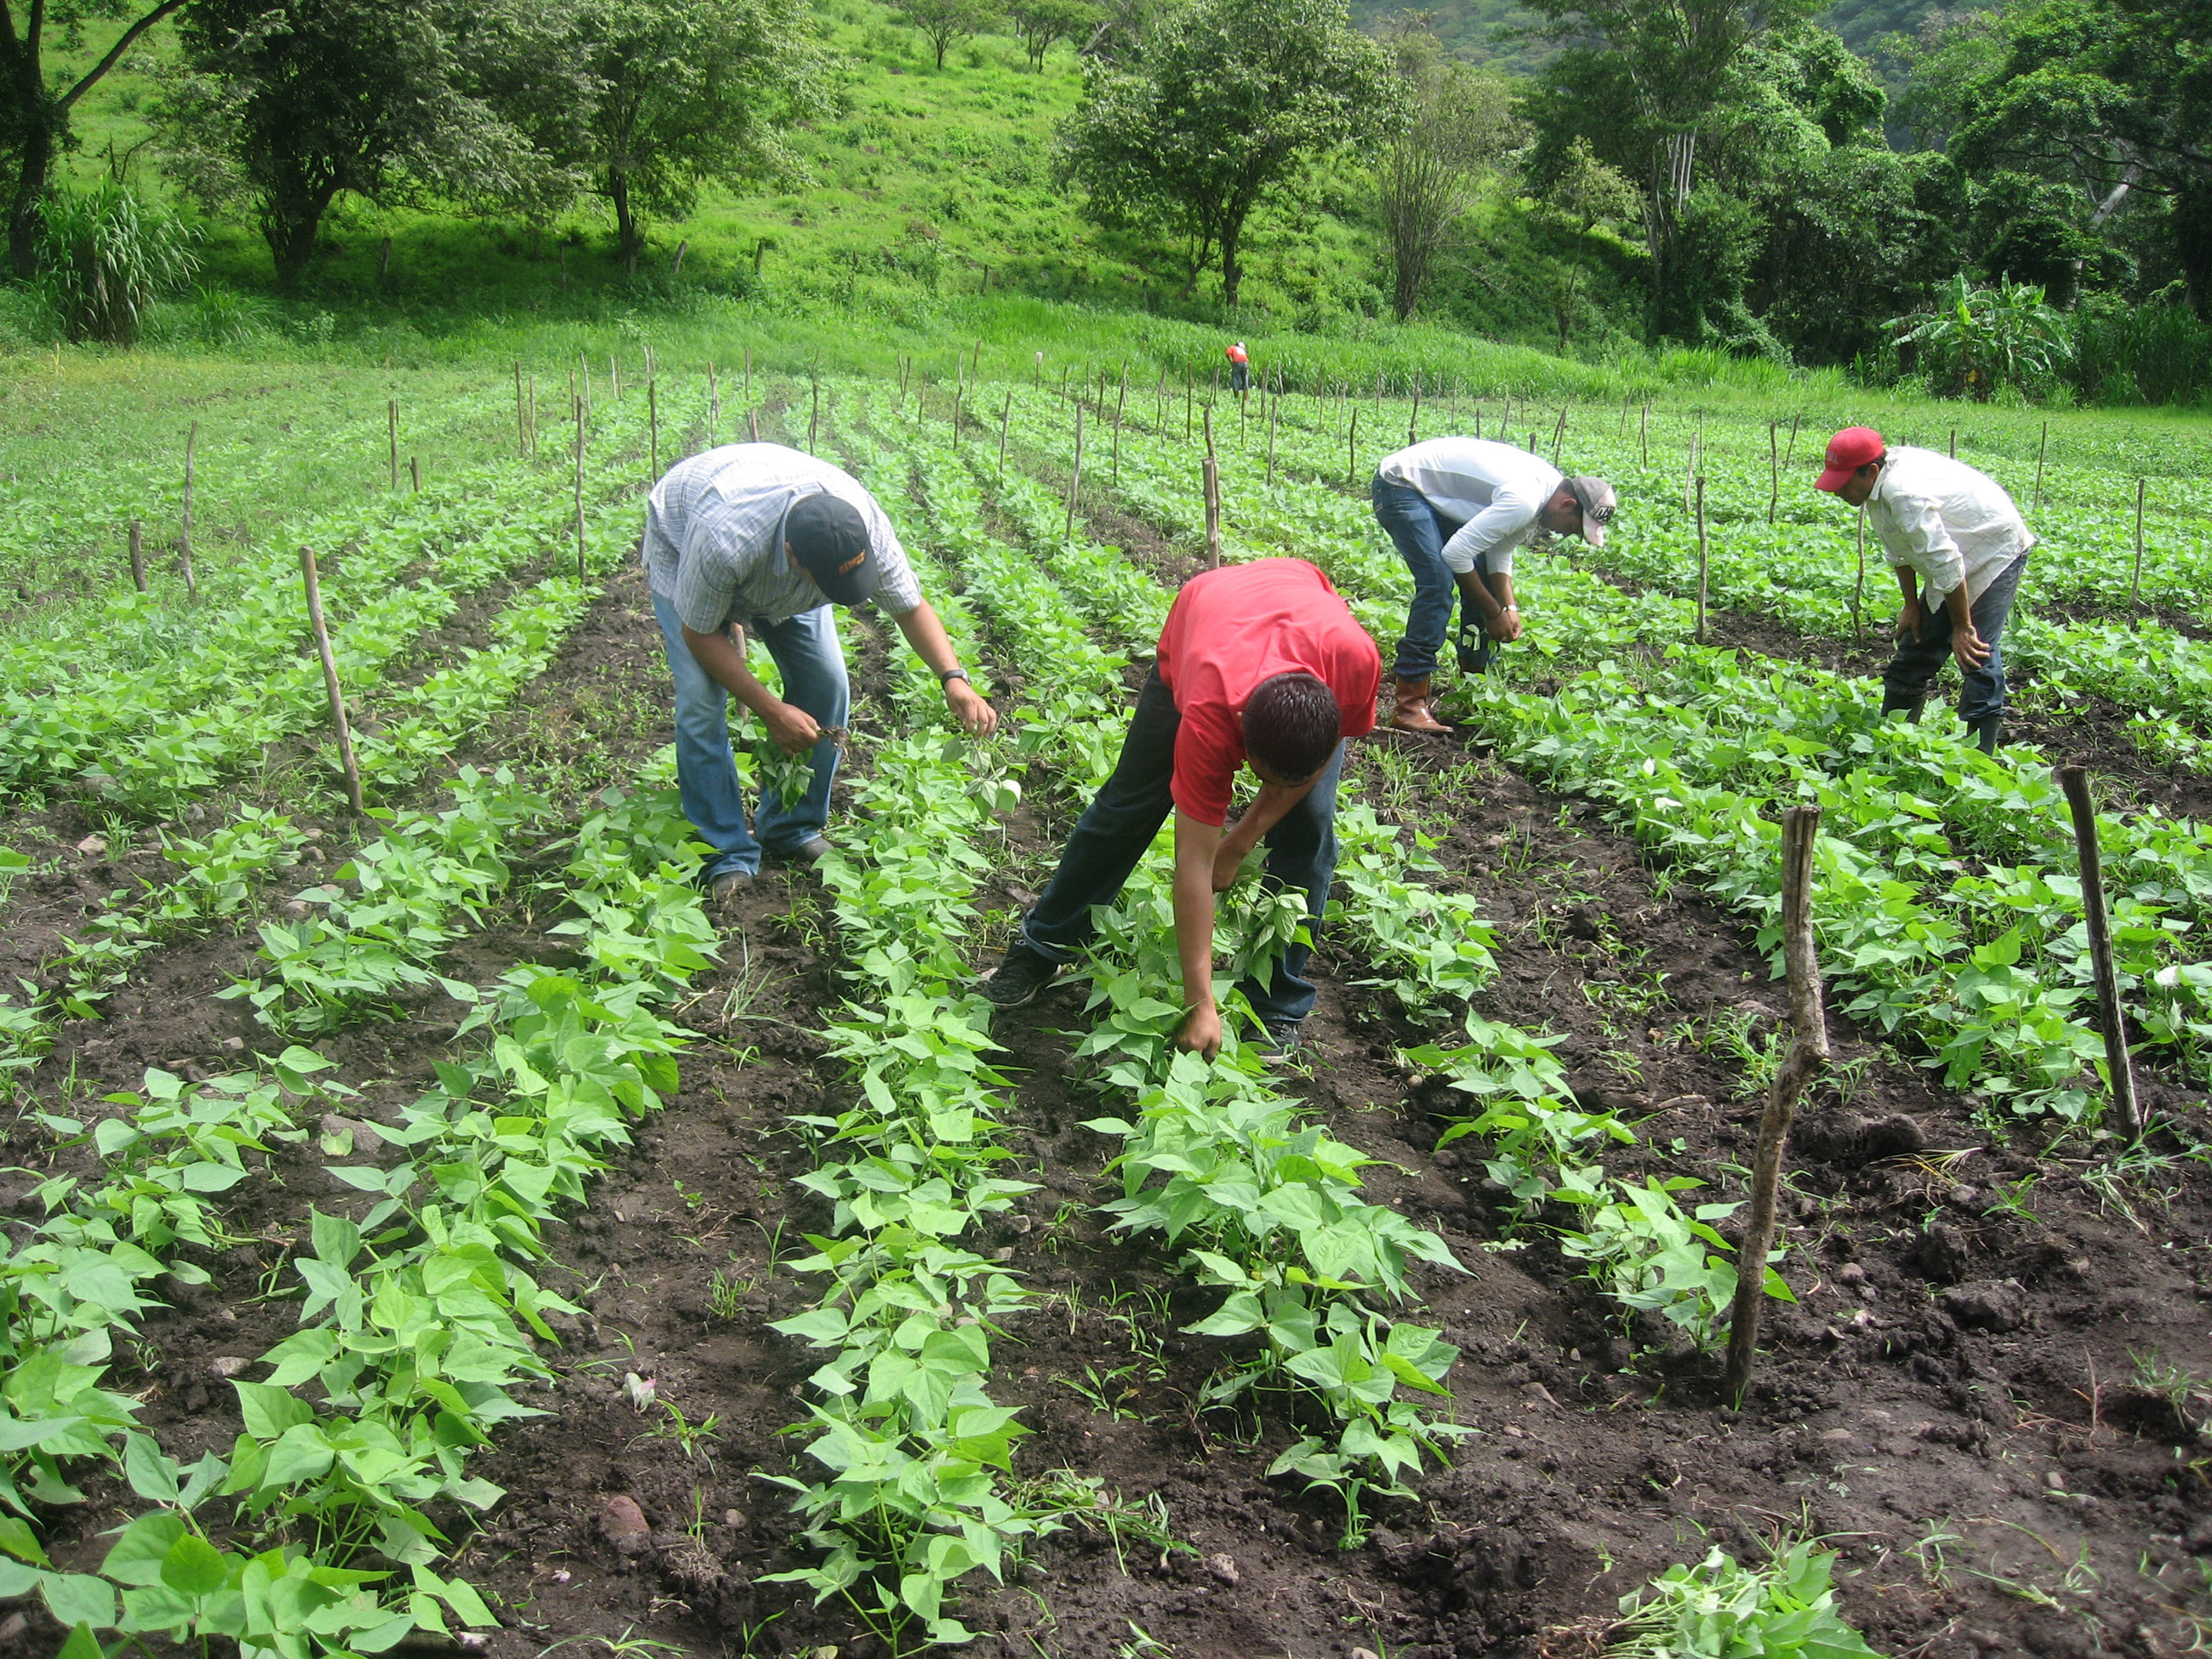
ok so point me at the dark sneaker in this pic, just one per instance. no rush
(813, 850)
(1284, 1035)
(723, 889)
(1019, 978)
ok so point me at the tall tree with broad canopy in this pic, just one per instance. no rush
(1460, 122)
(1040, 25)
(681, 92)
(943, 23)
(1221, 102)
(285, 103)
(35, 112)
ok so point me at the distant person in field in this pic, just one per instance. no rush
(759, 540)
(1457, 507)
(1260, 665)
(1240, 369)
(1959, 546)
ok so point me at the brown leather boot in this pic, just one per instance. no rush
(1414, 714)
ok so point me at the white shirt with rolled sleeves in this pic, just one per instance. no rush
(713, 537)
(1495, 490)
(1942, 518)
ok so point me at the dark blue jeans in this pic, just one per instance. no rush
(1918, 661)
(1118, 826)
(1420, 532)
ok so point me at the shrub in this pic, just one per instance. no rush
(104, 255)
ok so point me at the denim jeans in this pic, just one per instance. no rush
(1420, 532)
(1905, 682)
(1117, 827)
(812, 663)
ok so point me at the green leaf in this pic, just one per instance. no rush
(78, 1598)
(20, 1541)
(194, 1567)
(137, 1554)
(269, 1412)
(82, 1644)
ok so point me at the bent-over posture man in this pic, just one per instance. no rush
(1959, 546)
(760, 538)
(1457, 507)
(1260, 664)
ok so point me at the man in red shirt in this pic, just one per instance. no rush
(1240, 369)
(1260, 664)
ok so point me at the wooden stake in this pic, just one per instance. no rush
(392, 431)
(814, 419)
(415, 473)
(1858, 591)
(1005, 420)
(1209, 475)
(581, 573)
(1696, 449)
(2135, 586)
(1187, 398)
(1352, 449)
(752, 423)
(713, 410)
(1075, 478)
(749, 375)
(2040, 449)
(1414, 417)
(653, 425)
(138, 555)
(521, 426)
(1559, 434)
(1701, 558)
(1274, 412)
(614, 373)
(583, 371)
(1954, 443)
(185, 536)
(1808, 1057)
(530, 431)
(2075, 784)
(1790, 453)
(314, 587)
(1643, 435)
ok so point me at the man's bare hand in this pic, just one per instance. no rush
(1908, 620)
(1967, 645)
(1228, 865)
(976, 716)
(793, 729)
(1201, 1033)
(1504, 627)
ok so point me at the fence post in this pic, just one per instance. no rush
(184, 536)
(581, 574)
(1807, 1056)
(1701, 558)
(1075, 477)
(2135, 586)
(138, 555)
(1212, 474)
(2074, 782)
(314, 587)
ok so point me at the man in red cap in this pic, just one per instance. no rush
(1959, 546)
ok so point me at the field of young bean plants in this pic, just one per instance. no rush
(434, 1228)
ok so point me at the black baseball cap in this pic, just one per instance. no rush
(829, 540)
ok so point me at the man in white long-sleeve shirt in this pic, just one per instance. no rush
(1457, 507)
(1959, 546)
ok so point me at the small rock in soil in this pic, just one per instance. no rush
(1990, 1305)
(227, 1365)
(624, 1523)
(1222, 1567)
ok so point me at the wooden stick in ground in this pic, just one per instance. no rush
(184, 536)
(338, 725)
(1210, 474)
(530, 431)
(1274, 409)
(1559, 434)
(1075, 478)
(2074, 782)
(392, 432)
(1858, 592)
(2041, 449)
(614, 373)
(1005, 420)
(415, 473)
(749, 374)
(714, 409)
(1643, 435)
(521, 426)
(1808, 1057)
(581, 574)
(1351, 448)
(814, 419)
(1413, 418)
(138, 555)
(1701, 558)
(653, 425)
(1954, 443)
(1789, 454)
(752, 423)
(2135, 586)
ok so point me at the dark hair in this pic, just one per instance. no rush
(1292, 725)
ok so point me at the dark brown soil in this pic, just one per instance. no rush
(1951, 1403)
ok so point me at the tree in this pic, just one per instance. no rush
(1223, 102)
(34, 116)
(288, 102)
(682, 91)
(1459, 121)
(1040, 25)
(943, 22)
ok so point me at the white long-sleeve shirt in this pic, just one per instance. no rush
(1944, 519)
(1494, 490)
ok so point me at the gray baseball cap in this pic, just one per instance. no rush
(1597, 501)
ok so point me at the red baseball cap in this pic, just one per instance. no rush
(1848, 451)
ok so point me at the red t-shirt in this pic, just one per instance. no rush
(1237, 355)
(1232, 627)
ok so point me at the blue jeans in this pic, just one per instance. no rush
(1420, 532)
(812, 663)
(1919, 659)
(1120, 824)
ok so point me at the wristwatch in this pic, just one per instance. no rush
(952, 674)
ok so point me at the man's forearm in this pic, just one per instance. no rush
(724, 660)
(1961, 610)
(1195, 846)
(1476, 589)
(925, 633)
(1273, 806)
